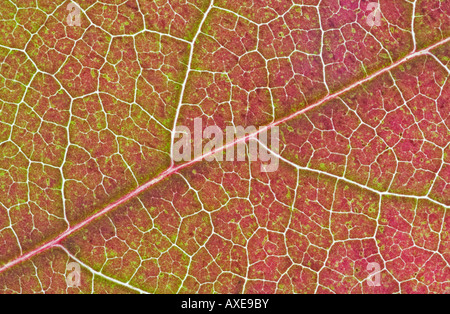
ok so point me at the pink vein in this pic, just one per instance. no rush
(176, 169)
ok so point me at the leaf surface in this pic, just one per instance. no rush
(87, 125)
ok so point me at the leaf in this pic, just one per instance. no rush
(88, 116)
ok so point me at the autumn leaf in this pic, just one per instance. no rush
(354, 95)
